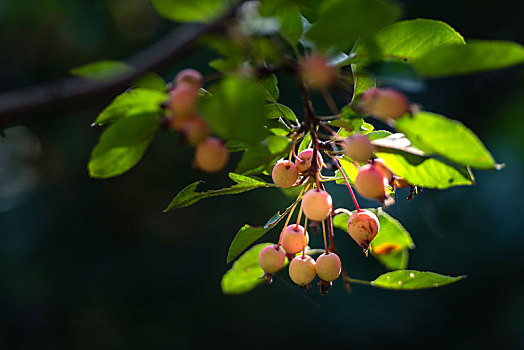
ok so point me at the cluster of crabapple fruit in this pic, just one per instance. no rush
(372, 181)
(210, 155)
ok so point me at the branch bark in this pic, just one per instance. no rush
(71, 94)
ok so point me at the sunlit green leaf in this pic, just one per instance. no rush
(277, 110)
(413, 280)
(101, 70)
(433, 133)
(122, 145)
(476, 56)
(269, 86)
(190, 10)
(341, 22)
(188, 196)
(132, 102)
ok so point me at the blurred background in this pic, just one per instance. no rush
(87, 264)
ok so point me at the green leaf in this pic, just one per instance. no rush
(290, 23)
(270, 87)
(304, 144)
(476, 56)
(133, 102)
(341, 22)
(188, 196)
(412, 39)
(236, 110)
(277, 110)
(122, 145)
(249, 234)
(101, 70)
(391, 243)
(350, 170)
(190, 10)
(378, 134)
(413, 280)
(246, 273)
(433, 133)
(361, 82)
(223, 64)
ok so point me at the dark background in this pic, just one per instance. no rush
(87, 264)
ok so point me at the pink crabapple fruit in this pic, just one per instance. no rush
(317, 204)
(371, 183)
(195, 130)
(384, 103)
(211, 155)
(285, 174)
(189, 76)
(182, 101)
(363, 226)
(271, 259)
(384, 170)
(302, 270)
(316, 71)
(303, 161)
(328, 267)
(293, 239)
(358, 147)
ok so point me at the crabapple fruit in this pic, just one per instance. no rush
(285, 174)
(400, 183)
(384, 103)
(302, 270)
(358, 147)
(317, 204)
(384, 170)
(316, 71)
(303, 161)
(189, 76)
(328, 267)
(272, 258)
(363, 226)
(195, 129)
(293, 240)
(211, 155)
(182, 101)
(370, 182)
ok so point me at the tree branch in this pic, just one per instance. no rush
(73, 93)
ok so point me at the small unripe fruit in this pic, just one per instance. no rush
(384, 103)
(358, 147)
(189, 76)
(302, 270)
(317, 204)
(303, 162)
(293, 239)
(285, 174)
(400, 183)
(182, 101)
(363, 226)
(328, 267)
(316, 72)
(211, 155)
(272, 259)
(370, 182)
(384, 170)
(195, 129)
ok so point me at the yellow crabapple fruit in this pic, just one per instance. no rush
(384, 103)
(317, 204)
(284, 174)
(363, 226)
(328, 267)
(302, 270)
(303, 161)
(211, 155)
(358, 147)
(272, 258)
(293, 239)
(190, 76)
(370, 182)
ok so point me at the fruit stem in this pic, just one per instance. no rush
(324, 233)
(290, 214)
(347, 183)
(331, 233)
(357, 281)
(305, 232)
(299, 217)
(329, 101)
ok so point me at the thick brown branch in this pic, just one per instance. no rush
(73, 93)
